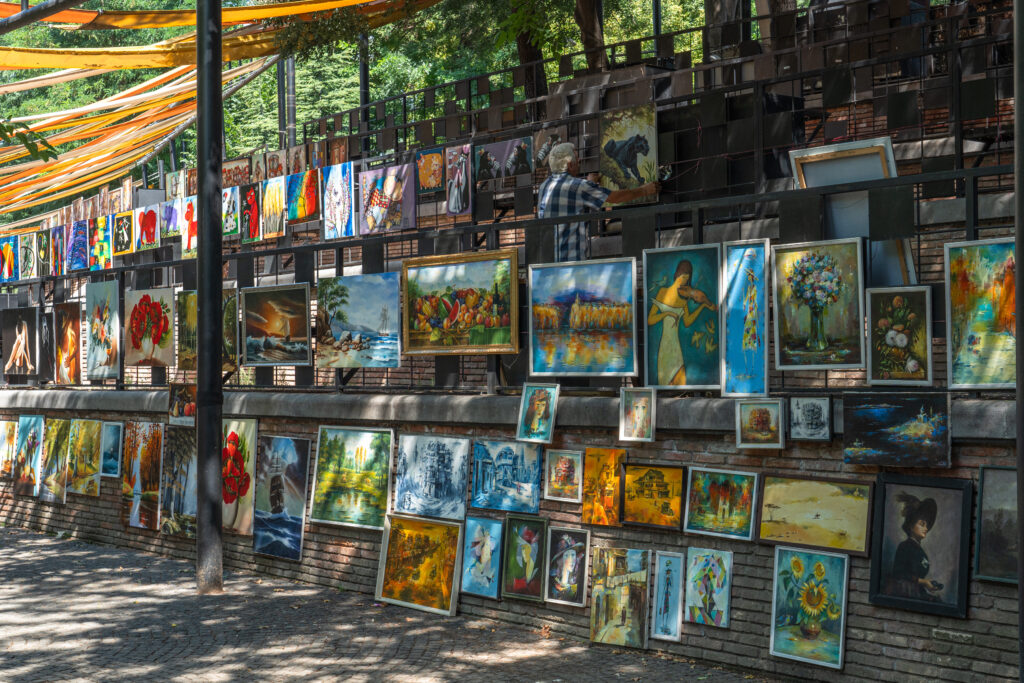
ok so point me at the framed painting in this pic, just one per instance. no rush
(546, 138)
(43, 254)
(235, 172)
(563, 478)
(896, 430)
(273, 207)
(188, 329)
(53, 463)
(524, 558)
(810, 418)
(338, 150)
(77, 245)
(190, 227)
(191, 186)
(760, 423)
(351, 484)
(57, 255)
(147, 229)
(708, 586)
(720, 503)
(461, 304)
(506, 476)
(250, 216)
(537, 412)
(238, 474)
(980, 324)
(565, 582)
(899, 336)
(27, 454)
(458, 180)
(637, 406)
(46, 368)
(481, 557)
(84, 455)
(110, 449)
(388, 199)
(420, 563)
(921, 544)
(581, 318)
(276, 163)
(124, 233)
(602, 486)
(628, 147)
(743, 318)
(431, 476)
(27, 256)
(103, 330)
(181, 403)
(276, 325)
(617, 616)
(141, 467)
(178, 503)
(171, 215)
(8, 447)
(429, 170)
(20, 330)
(149, 330)
(995, 551)
(681, 329)
(9, 257)
(819, 312)
(100, 245)
(279, 505)
(339, 201)
(826, 514)
(357, 321)
(302, 190)
(809, 606)
(296, 161)
(174, 184)
(506, 159)
(258, 168)
(652, 495)
(667, 617)
(230, 211)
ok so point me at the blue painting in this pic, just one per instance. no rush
(78, 246)
(282, 467)
(338, 206)
(110, 449)
(170, 218)
(896, 430)
(27, 455)
(357, 321)
(668, 591)
(481, 557)
(745, 319)
(9, 271)
(506, 476)
(809, 606)
(431, 476)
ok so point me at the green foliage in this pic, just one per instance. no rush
(37, 147)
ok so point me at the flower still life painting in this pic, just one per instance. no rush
(617, 616)
(900, 335)
(238, 475)
(103, 330)
(149, 333)
(708, 584)
(481, 557)
(420, 563)
(809, 606)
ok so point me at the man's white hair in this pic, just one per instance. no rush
(560, 156)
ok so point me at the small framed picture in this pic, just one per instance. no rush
(636, 413)
(759, 423)
(667, 620)
(537, 413)
(563, 476)
(810, 418)
(524, 557)
(565, 582)
(652, 495)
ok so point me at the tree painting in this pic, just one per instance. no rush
(178, 487)
(84, 457)
(351, 484)
(140, 469)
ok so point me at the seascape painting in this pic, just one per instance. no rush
(273, 208)
(720, 503)
(458, 180)
(302, 192)
(619, 616)
(563, 478)
(84, 453)
(20, 335)
(357, 321)
(420, 563)
(896, 430)
(524, 557)
(809, 606)
(900, 335)
(537, 407)
(506, 159)
(996, 553)
(708, 586)
(653, 495)
(238, 475)
(506, 476)
(666, 620)
(339, 201)
(101, 248)
(810, 418)
(229, 211)
(141, 469)
(282, 468)
(744, 318)
(8, 447)
(147, 230)
(53, 464)
(760, 423)
(568, 559)
(351, 484)
(431, 476)
(481, 557)
(250, 216)
(602, 486)
(178, 506)
(110, 449)
(149, 330)
(429, 170)
(829, 514)
(628, 147)
(103, 330)
(388, 199)
(276, 325)
(27, 454)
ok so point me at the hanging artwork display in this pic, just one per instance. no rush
(995, 551)
(53, 463)
(461, 303)
(141, 468)
(273, 207)
(234, 172)
(43, 255)
(282, 468)
(101, 246)
(29, 264)
(77, 247)
(481, 557)
(420, 563)
(46, 370)
(809, 606)
(708, 586)
(506, 476)
(258, 168)
(67, 325)
(429, 170)
(171, 216)
(351, 484)
(810, 418)
(276, 325)
(27, 454)
(178, 505)
(103, 330)
(563, 478)
(830, 514)
(316, 153)
(666, 622)
(357, 321)
(337, 150)
(537, 412)
(174, 184)
(296, 159)
(190, 227)
(339, 201)
(302, 192)
(387, 199)
(230, 211)
(149, 332)
(458, 181)
(124, 233)
(8, 447)
(229, 332)
(896, 430)
(618, 596)
(110, 449)
(581, 318)
(637, 413)
(720, 503)
(900, 335)
(524, 558)
(760, 423)
(57, 254)
(147, 229)
(188, 329)
(181, 404)
(921, 543)
(568, 555)
(277, 163)
(9, 268)
(602, 486)
(20, 330)
(652, 495)
(431, 476)
(628, 147)
(981, 329)
(506, 159)
(238, 475)
(544, 139)
(249, 215)
(744, 318)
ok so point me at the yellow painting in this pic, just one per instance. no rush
(601, 485)
(816, 513)
(418, 564)
(84, 457)
(653, 496)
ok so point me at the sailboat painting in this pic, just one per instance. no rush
(276, 325)
(896, 430)
(282, 468)
(358, 322)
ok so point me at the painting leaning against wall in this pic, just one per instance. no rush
(141, 469)
(619, 596)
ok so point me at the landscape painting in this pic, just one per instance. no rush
(666, 620)
(602, 486)
(896, 430)
(458, 180)
(618, 616)
(53, 464)
(67, 325)
(568, 560)
(103, 330)
(759, 423)
(141, 468)
(429, 171)
(506, 476)
(420, 562)
(581, 318)
(537, 406)
(84, 453)
(339, 201)
(744, 318)
(238, 475)
(388, 199)
(708, 586)
(815, 513)
(178, 507)
(352, 475)
(720, 503)
(357, 321)
(900, 335)
(149, 330)
(431, 476)
(506, 159)
(303, 196)
(653, 495)
(563, 478)
(28, 454)
(8, 447)
(810, 418)
(628, 147)
(110, 449)
(996, 553)
(282, 468)
(19, 328)
(481, 557)
(272, 207)
(524, 558)
(276, 325)
(188, 329)
(809, 606)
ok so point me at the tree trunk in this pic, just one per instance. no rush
(531, 54)
(588, 18)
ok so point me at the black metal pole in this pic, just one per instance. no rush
(656, 16)
(364, 87)
(289, 94)
(282, 122)
(209, 394)
(28, 15)
(1018, 257)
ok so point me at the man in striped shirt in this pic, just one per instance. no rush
(563, 194)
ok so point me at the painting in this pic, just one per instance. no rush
(920, 544)
(338, 150)
(277, 163)
(77, 245)
(818, 294)
(103, 330)
(431, 476)
(581, 318)
(351, 484)
(302, 192)
(388, 199)
(171, 216)
(637, 413)
(174, 184)
(420, 560)
(250, 216)
(234, 172)
(43, 255)
(258, 168)
(141, 467)
(463, 303)
(147, 229)
(602, 486)
(229, 333)
(896, 430)
(568, 557)
(124, 233)
(101, 246)
(149, 332)
(296, 159)
(188, 328)
(9, 269)
(720, 503)
(279, 504)
(276, 325)
(273, 207)
(524, 558)
(506, 159)
(110, 449)
(995, 552)
(27, 454)
(357, 321)
(190, 227)
(708, 585)
(618, 596)
(809, 606)
(429, 170)
(57, 255)
(563, 478)
(667, 621)
(181, 404)
(981, 329)
(681, 294)
(760, 423)
(652, 495)
(481, 557)
(20, 330)
(537, 408)
(827, 514)
(744, 318)
(506, 476)
(47, 348)
(339, 201)
(53, 463)
(238, 475)
(191, 185)
(628, 147)
(810, 418)
(29, 264)
(8, 447)
(178, 503)
(546, 138)
(84, 454)
(230, 211)
(458, 180)
(900, 336)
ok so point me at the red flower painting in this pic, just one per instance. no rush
(234, 479)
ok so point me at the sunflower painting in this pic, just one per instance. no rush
(809, 606)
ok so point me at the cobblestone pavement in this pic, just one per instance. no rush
(73, 611)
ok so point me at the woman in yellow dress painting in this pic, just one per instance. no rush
(670, 308)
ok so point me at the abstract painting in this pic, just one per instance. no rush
(568, 559)
(563, 478)
(900, 335)
(830, 514)
(637, 413)
(809, 606)
(149, 330)
(147, 230)
(124, 233)
(628, 147)
(178, 505)
(181, 404)
(9, 269)
(506, 159)
(110, 449)
(282, 468)
(431, 476)
(339, 201)
(171, 214)
(429, 171)
(357, 321)
(581, 318)
(602, 486)
(388, 199)
(43, 255)
(250, 216)
(276, 325)
(653, 495)
(229, 349)
(995, 552)
(420, 562)
(103, 330)
(27, 454)
(524, 558)
(238, 475)
(53, 463)
(896, 430)
(29, 264)
(537, 412)
(57, 254)
(190, 227)
(101, 246)
(77, 246)
(188, 329)
(708, 584)
(230, 211)
(506, 476)
(810, 418)
(681, 293)
(273, 207)
(546, 138)
(302, 192)
(619, 616)
(481, 557)
(744, 318)
(141, 468)
(760, 423)
(20, 330)
(351, 484)
(8, 447)
(667, 619)
(458, 180)
(720, 503)
(84, 454)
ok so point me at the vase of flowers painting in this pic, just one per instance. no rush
(816, 283)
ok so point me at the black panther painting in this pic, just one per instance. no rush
(625, 153)
(628, 149)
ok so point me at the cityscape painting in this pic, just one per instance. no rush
(431, 476)
(506, 476)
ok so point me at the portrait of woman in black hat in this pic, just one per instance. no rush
(910, 566)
